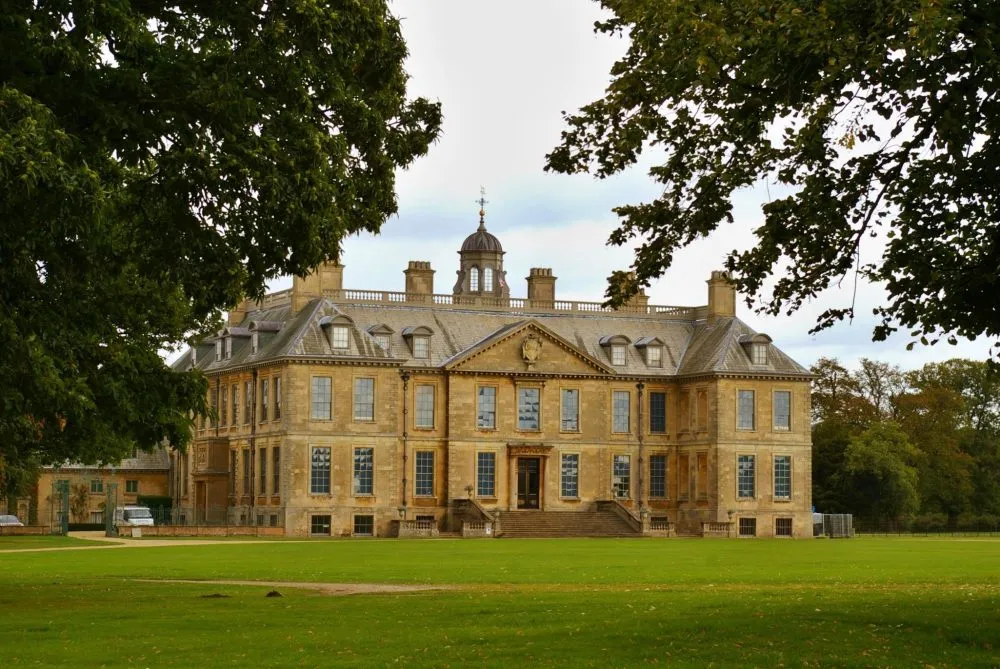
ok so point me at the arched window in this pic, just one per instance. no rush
(488, 279)
(474, 279)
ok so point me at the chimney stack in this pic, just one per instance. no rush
(239, 312)
(419, 281)
(328, 277)
(721, 296)
(541, 287)
(640, 299)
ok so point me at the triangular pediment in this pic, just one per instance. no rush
(526, 346)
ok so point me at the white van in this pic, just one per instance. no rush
(137, 516)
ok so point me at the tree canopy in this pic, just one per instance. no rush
(158, 162)
(871, 119)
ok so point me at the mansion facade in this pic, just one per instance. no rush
(354, 412)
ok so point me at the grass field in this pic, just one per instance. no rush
(591, 603)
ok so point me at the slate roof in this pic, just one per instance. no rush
(690, 347)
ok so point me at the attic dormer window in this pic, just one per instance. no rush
(756, 347)
(383, 341)
(382, 334)
(339, 337)
(229, 348)
(419, 339)
(615, 347)
(218, 350)
(254, 342)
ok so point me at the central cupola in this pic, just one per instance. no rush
(481, 270)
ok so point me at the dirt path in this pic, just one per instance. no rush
(333, 589)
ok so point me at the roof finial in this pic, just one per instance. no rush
(482, 208)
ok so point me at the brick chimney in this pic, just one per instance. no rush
(327, 277)
(721, 296)
(419, 281)
(541, 287)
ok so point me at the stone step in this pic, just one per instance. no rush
(564, 524)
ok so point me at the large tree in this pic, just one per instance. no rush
(868, 118)
(159, 161)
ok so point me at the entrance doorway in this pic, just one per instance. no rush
(528, 482)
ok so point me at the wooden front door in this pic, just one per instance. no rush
(528, 482)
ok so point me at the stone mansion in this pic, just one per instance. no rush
(358, 412)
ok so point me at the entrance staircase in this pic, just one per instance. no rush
(527, 524)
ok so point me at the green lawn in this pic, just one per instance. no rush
(24, 543)
(600, 603)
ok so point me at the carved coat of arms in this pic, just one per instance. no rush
(531, 349)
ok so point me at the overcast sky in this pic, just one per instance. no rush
(503, 72)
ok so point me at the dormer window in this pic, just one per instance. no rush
(338, 332)
(339, 337)
(268, 328)
(653, 348)
(382, 334)
(756, 347)
(615, 347)
(229, 348)
(419, 339)
(254, 342)
(218, 350)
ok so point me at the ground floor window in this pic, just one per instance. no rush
(782, 527)
(621, 476)
(96, 517)
(486, 474)
(748, 527)
(132, 486)
(260, 520)
(274, 520)
(320, 525)
(426, 519)
(364, 526)
(570, 485)
(658, 476)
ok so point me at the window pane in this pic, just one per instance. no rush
(424, 483)
(319, 525)
(570, 475)
(364, 526)
(654, 356)
(474, 279)
(263, 399)
(782, 410)
(224, 410)
(339, 338)
(748, 527)
(658, 476)
(276, 471)
(383, 341)
(657, 412)
(246, 471)
(247, 401)
(621, 475)
(486, 474)
(424, 409)
(745, 476)
(488, 279)
(527, 408)
(617, 355)
(620, 411)
(364, 399)
(322, 404)
(319, 476)
(783, 476)
(745, 417)
(277, 397)
(783, 527)
(364, 470)
(760, 354)
(233, 419)
(487, 410)
(421, 347)
(570, 410)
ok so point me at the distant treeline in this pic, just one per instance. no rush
(917, 447)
